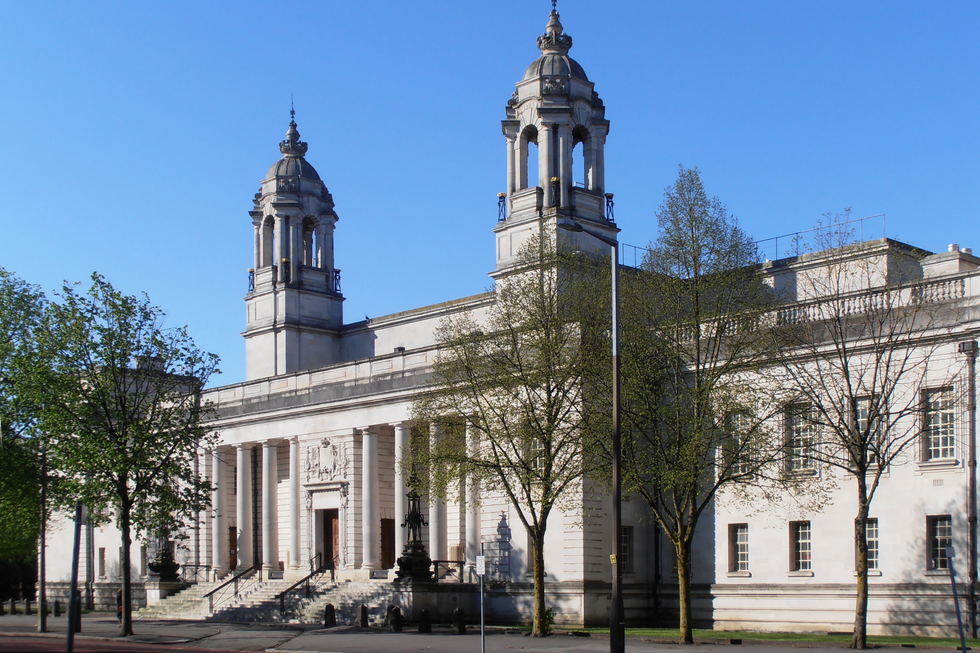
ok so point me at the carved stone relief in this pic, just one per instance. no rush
(326, 461)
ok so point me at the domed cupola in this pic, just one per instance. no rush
(554, 60)
(556, 111)
(294, 298)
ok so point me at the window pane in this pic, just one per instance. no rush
(871, 529)
(801, 545)
(940, 424)
(801, 438)
(940, 536)
(741, 547)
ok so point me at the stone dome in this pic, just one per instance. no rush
(554, 60)
(554, 63)
(292, 163)
(289, 166)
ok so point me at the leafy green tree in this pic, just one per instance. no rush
(22, 321)
(125, 414)
(512, 379)
(694, 422)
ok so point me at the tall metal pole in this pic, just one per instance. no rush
(42, 599)
(617, 625)
(74, 606)
(970, 349)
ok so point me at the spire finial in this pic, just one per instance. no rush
(292, 146)
(554, 39)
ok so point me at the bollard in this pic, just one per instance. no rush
(78, 612)
(329, 616)
(362, 617)
(27, 607)
(13, 606)
(425, 621)
(57, 608)
(395, 619)
(459, 622)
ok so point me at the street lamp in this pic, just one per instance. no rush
(617, 622)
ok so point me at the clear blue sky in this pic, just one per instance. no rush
(133, 135)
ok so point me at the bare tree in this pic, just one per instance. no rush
(855, 348)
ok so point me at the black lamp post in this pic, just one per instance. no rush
(414, 563)
(617, 621)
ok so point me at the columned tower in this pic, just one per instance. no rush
(556, 111)
(294, 303)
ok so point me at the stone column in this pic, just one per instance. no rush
(565, 144)
(295, 248)
(270, 529)
(437, 513)
(402, 434)
(279, 250)
(258, 247)
(294, 549)
(600, 163)
(472, 503)
(544, 162)
(244, 513)
(370, 515)
(320, 258)
(219, 536)
(511, 168)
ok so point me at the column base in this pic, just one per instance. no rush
(295, 574)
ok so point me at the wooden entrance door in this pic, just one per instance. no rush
(331, 537)
(233, 547)
(387, 543)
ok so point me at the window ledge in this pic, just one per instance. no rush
(938, 465)
(740, 574)
(801, 472)
(937, 572)
(871, 573)
(802, 573)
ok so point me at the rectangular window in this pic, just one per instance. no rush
(800, 546)
(800, 437)
(939, 427)
(871, 530)
(626, 549)
(539, 456)
(102, 562)
(939, 531)
(739, 445)
(867, 428)
(738, 547)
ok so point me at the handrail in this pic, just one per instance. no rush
(449, 566)
(234, 579)
(306, 580)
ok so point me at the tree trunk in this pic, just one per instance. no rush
(860, 637)
(540, 629)
(126, 625)
(683, 550)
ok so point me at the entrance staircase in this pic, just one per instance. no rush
(257, 601)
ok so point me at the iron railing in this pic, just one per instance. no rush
(235, 582)
(308, 585)
(193, 574)
(448, 570)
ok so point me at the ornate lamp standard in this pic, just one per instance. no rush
(414, 563)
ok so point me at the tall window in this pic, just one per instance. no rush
(800, 546)
(801, 437)
(871, 532)
(739, 445)
(738, 547)
(626, 549)
(939, 531)
(102, 562)
(940, 424)
(867, 427)
(539, 456)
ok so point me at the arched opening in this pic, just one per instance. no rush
(268, 241)
(528, 157)
(581, 158)
(309, 229)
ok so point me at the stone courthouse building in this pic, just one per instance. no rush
(308, 466)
